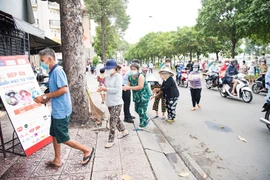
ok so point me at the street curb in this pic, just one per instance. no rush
(191, 164)
(197, 171)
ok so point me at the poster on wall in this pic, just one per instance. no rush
(18, 88)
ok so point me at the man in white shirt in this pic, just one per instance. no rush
(213, 72)
(99, 66)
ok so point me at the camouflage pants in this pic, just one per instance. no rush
(141, 109)
(115, 121)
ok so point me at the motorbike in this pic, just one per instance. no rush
(209, 81)
(42, 80)
(266, 119)
(257, 87)
(182, 78)
(243, 92)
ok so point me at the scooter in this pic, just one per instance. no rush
(209, 81)
(242, 90)
(257, 87)
(182, 78)
(266, 119)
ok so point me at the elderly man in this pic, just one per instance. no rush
(61, 109)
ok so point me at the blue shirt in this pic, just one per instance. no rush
(61, 105)
(125, 78)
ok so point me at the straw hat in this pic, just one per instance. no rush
(166, 69)
(152, 79)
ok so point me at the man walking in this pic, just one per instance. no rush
(61, 109)
(151, 66)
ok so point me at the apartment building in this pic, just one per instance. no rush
(47, 18)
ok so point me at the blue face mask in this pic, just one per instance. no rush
(152, 83)
(44, 66)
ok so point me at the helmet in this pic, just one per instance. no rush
(196, 65)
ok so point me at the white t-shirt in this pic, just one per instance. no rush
(151, 65)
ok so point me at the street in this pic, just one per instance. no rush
(210, 135)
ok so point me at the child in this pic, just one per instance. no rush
(101, 81)
(154, 84)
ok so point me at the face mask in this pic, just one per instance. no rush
(168, 64)
(233, 64)
(23, 94)
(44, 66)
(133, 72)
(227, 64)
(195, 69)
(152, 83)
(110, 71)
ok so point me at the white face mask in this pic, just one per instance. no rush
(195, 69)
(133, 72)
(110, 71)
(227, 64)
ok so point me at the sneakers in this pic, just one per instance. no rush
(155, 117)
(109, 145)
(163, 118)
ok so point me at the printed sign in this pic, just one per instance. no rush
(18, 88)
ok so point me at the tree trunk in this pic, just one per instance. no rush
(217, 55)
(190, 55)
(233, 47)
(104, 48)
(73, 59)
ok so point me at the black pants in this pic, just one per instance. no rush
(195, 96)
(263, 80)
(214, 78)
(126, 98)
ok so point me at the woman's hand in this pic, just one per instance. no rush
(101, 88)
(126, 88)
(155, 90)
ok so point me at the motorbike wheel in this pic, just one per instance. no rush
(247, 96)
(221, 92)
(267, 114)
(255, 89)
(207, 84)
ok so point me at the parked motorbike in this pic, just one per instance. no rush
(266, 119)
(242, 90)
(257, 87)
(209, 81)
(182, 78)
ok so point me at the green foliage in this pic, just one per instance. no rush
(95, 60)
(113, 20)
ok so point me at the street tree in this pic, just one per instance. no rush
(108, 14)
(72, 51)
(223, 19)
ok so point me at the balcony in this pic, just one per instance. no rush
(54, 24)
(53, 5)
(34, 3)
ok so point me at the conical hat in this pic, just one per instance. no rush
(152, 78)
(166, 69)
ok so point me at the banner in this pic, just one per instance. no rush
(18, 88)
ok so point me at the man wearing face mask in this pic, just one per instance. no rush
(230, 72)
(61, 109)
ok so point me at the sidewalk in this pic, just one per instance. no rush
(141, 155)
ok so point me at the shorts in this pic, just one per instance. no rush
(251, 74)
(59, 129)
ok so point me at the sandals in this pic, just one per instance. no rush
(53, 165)
(123, 134)
(88, 158)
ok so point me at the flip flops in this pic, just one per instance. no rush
(123, 135)
(51, 164)
(88, 158)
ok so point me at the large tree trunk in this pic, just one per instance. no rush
(104, 49)
(73, 59)
(190, 55)
(217, 55)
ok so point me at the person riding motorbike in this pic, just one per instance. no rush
(213, 70)
(222, 70)
(230, 72)
(263, 70)
(179, 70)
